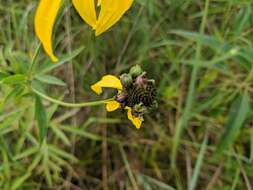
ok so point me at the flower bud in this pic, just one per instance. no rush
(126, 80)
(136, 71)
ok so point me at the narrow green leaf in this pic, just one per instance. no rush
(242, 19)
(50, 80)
(41, 117)
(15, 92)
(81, 132)
(196, 172)
(49, 67)
(35, 162)
(201, 38)
(26, 153)
(147, 179)
(6, 164)
(60, 134)
(14, 79)
(19, 181)
(3, 75)
(251, 145)
(7, 122)
(38, 85)
(238, 114)
(62, 153)
(47, 170)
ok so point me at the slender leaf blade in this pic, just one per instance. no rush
(238, 114)
(41, 117)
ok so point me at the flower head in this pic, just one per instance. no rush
(135, 93)
(110, 12)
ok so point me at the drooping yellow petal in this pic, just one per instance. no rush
(112, 106)
(44, 23)
(111, 12)
(87, 10)
(108, 81)
(135, 120)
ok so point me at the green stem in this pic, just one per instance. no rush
(71, 105)
(183, 121)
(36, 53)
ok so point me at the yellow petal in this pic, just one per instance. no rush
(112, 106)
(135, 120)
(111, 12)
(99, 2)
(44, 22)
(108, 81)
(87, 10)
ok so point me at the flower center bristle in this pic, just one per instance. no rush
(138, 92)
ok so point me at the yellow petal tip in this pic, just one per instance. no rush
(112, 106)
(54, 59)
(97, 89)
(135, 120)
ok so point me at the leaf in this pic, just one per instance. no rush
(147, 179)
(242, 19)
(201, 38)
(55, 150)
(7, 122)
(19, 181)
(199, 162)
(47, 170)
(38, 86)
(35, 162)
(3, 75)
(60, 134)
(6, 164)
(48, 67)
(14, 79)
(251, 145)
(41, 117)
(81, 132)
(238, 114)
(18, 90)
(219, 46)
(50, 80)
(26, 153)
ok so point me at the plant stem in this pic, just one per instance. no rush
(36, 53)
(71, 105)
(183, 121)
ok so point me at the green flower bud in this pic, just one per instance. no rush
(126, 80)
(136, 71)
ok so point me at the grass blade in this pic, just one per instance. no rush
(48, 79)
(182, 123)
(41, 117)
(238, 114)
(193, 182)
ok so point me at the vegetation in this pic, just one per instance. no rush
(200, 53)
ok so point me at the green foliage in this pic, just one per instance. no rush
(199, 52)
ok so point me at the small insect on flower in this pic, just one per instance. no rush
(136, 93)
(110, 13)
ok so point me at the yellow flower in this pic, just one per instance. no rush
(110, 12)
(110, 81)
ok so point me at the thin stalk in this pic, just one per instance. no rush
(199, 163)
(71, 82)
(71, 105)
(36, 53)
(190, 96)
(128, 168)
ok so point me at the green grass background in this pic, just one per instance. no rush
(200, 53)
